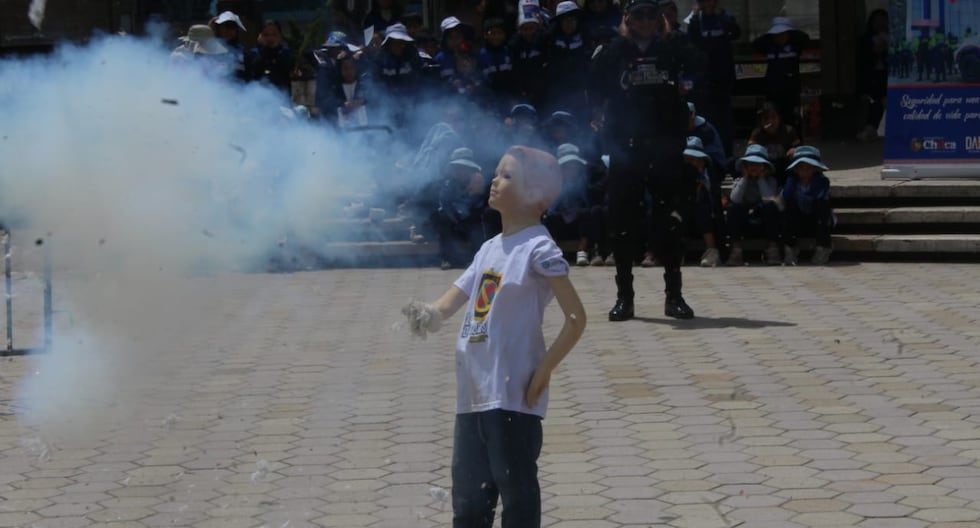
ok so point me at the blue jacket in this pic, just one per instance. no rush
(715, 36)
(805, 197)
(497, 66)
(399, 75)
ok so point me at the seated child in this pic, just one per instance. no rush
(503, 365)
(466, 78)
(704, 214)
(753, 205)
(521, 126)
(599, 217)
(778, 137)
(569, 217)
(458, 219)
(806, 205)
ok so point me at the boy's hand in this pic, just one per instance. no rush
(422, 318)
(539, 382)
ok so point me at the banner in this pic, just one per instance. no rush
(933, 125)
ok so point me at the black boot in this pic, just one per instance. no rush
(623, 310)
(675, 306)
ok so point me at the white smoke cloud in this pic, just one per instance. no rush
(148, 182)
(137, 174)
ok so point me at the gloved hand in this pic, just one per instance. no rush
(422, 318)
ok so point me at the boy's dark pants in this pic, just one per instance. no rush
(818, 222)
(495, 453)
(742, 218)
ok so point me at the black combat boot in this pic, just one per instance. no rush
(623, 310)
(675, 306)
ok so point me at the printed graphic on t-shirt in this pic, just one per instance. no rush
(477, 327)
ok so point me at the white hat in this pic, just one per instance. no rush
(566, 7)
(528, 11)
(200, 40)
(449, 23)
(754, 153)
(397, 32)
(695, 148)
(463, 157)
(228, 16)
(809, 155)
(780, 25)
(568, 152)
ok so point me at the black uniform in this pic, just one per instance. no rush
(646, 118)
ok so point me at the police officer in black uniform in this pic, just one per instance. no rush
(639, 82)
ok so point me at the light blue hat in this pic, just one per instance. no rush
(695, 148)
(464, 157)
(754, 153)
(568, 152)
(809, 155)
(525, 109)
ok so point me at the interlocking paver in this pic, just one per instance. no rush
(848, 396)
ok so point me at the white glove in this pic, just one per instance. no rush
(422, 318)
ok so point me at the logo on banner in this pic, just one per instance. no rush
(933, 144)
(972, 143)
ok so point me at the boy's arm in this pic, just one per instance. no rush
(450, 302)
(428, 317)
(569, 335)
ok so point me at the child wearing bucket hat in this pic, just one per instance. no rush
(782, 45)
(705, 214)
(806, 205)
(458, 218)
(456, 38)
(753, 206)
(229, 28)
(568, 218)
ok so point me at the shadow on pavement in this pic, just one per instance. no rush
(713, 322)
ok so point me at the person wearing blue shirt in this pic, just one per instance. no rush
(496, 63)
(805, 200)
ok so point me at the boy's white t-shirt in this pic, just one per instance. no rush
(501, 340)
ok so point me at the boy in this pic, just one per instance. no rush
(806, 203)
(704, 204)
(502, 365)
(569, 217)
(754, 202)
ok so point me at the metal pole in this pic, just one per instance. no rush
(10, 296)
(47, 296)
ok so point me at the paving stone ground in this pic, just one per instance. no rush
(840, 396)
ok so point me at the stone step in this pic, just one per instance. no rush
(963, 244)
(915, 189)
(910, 215)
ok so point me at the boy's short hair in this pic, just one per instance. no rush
(541, 175)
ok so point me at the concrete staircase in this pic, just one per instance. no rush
(908, 220)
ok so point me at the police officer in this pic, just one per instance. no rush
(639, 83)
